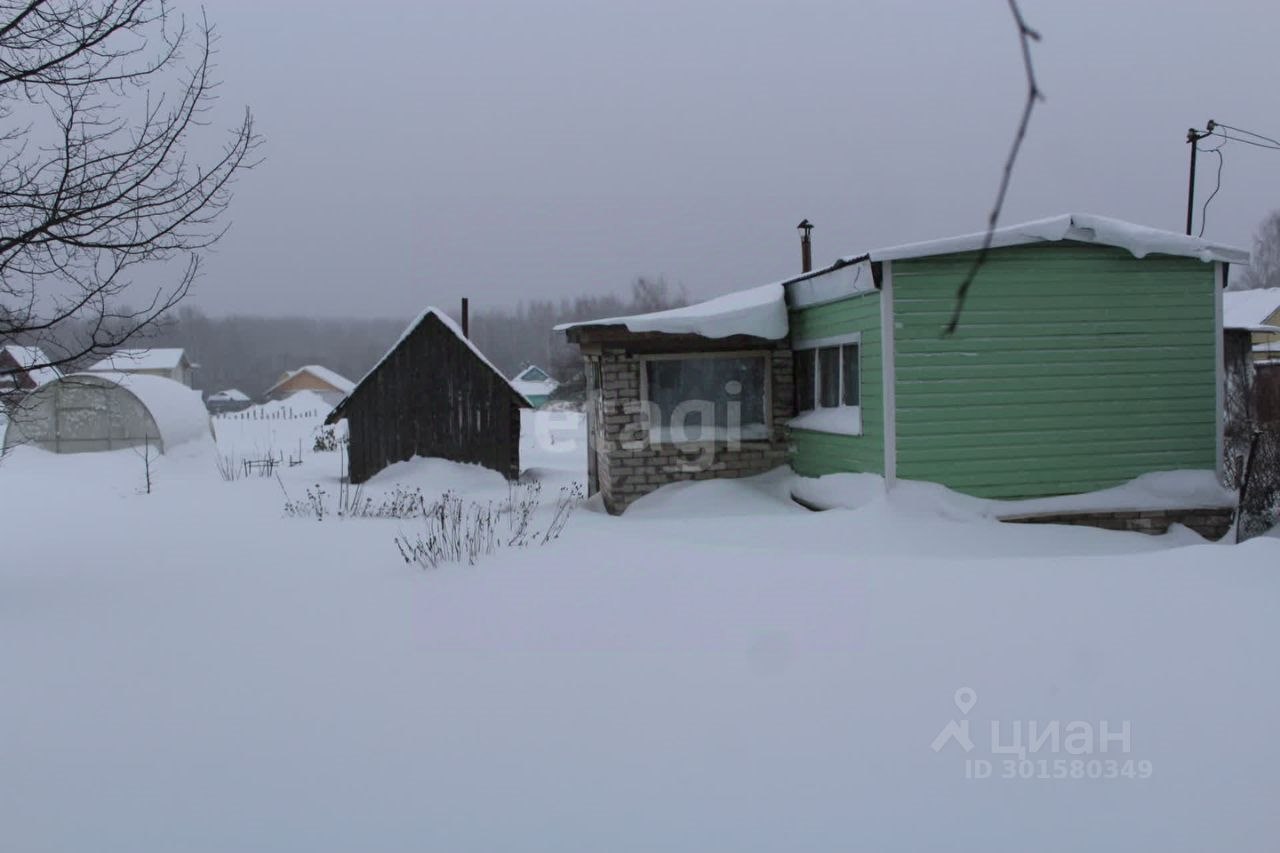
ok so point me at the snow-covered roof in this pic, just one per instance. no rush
(453, 327)
(27, 357)
(533, 380)
(324, 374)
(1245, 309)
(532, 387)
(532, 373)
(230, 395)
(178, 411)
(126, 360)
(1138, 240)
(760, 312)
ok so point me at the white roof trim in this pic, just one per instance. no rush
(832, 285)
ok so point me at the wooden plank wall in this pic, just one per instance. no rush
(432, 396)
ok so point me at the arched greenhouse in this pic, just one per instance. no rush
(86, 412)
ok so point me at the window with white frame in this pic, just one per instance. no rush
(828, 385)
(707, 397)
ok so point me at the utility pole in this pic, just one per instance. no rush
(1193, 139)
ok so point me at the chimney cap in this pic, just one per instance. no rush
(805, 225)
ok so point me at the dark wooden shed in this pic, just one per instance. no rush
(434, 394)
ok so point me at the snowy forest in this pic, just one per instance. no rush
(250, 352)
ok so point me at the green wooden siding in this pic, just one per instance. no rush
(1075, 367)
(818, 453)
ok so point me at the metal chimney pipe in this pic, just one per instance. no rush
(806, 246)
(466, 317)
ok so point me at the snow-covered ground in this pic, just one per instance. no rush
(719, 669)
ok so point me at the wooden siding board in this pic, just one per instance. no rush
(1074, 368)
(457, 409)
(818, 453)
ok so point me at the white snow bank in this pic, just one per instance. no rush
(1247, 309)
(1159, 490)
(203, 674)
(760, 312)
(1139, 240)
(767, 493)
(296, 403)
(841, 420)
(436, 476)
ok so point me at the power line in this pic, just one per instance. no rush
(1204, 211)
(1219, 130)
(1213, 124)
(1275, 147)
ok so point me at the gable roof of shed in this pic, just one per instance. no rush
(27, 358)
(451, 327)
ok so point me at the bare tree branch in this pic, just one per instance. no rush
(99, 109)
(1026, 35)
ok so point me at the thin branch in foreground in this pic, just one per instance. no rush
(1026, 35)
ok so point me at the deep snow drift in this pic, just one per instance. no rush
(719, 669)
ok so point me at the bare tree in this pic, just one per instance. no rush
(1264, 264)
(654, 294)
(100, 100)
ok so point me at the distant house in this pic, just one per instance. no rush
(230, 400)
(535, 384)
(432, 394)
(328, 384)
(1251, 336)
(1257, 311)
(169, 362)
(21, 369)
(1088, 353)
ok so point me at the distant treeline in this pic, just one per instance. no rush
(250, 353)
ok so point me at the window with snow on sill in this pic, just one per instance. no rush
(828, 385)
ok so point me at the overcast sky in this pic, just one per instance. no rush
(419, 151)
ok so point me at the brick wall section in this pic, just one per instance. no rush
(1211, 523)
(629, 465)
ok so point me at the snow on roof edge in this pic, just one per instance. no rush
(759, 312)
(145, 358)
(1139, 240)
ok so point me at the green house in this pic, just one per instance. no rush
(1088, 352)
